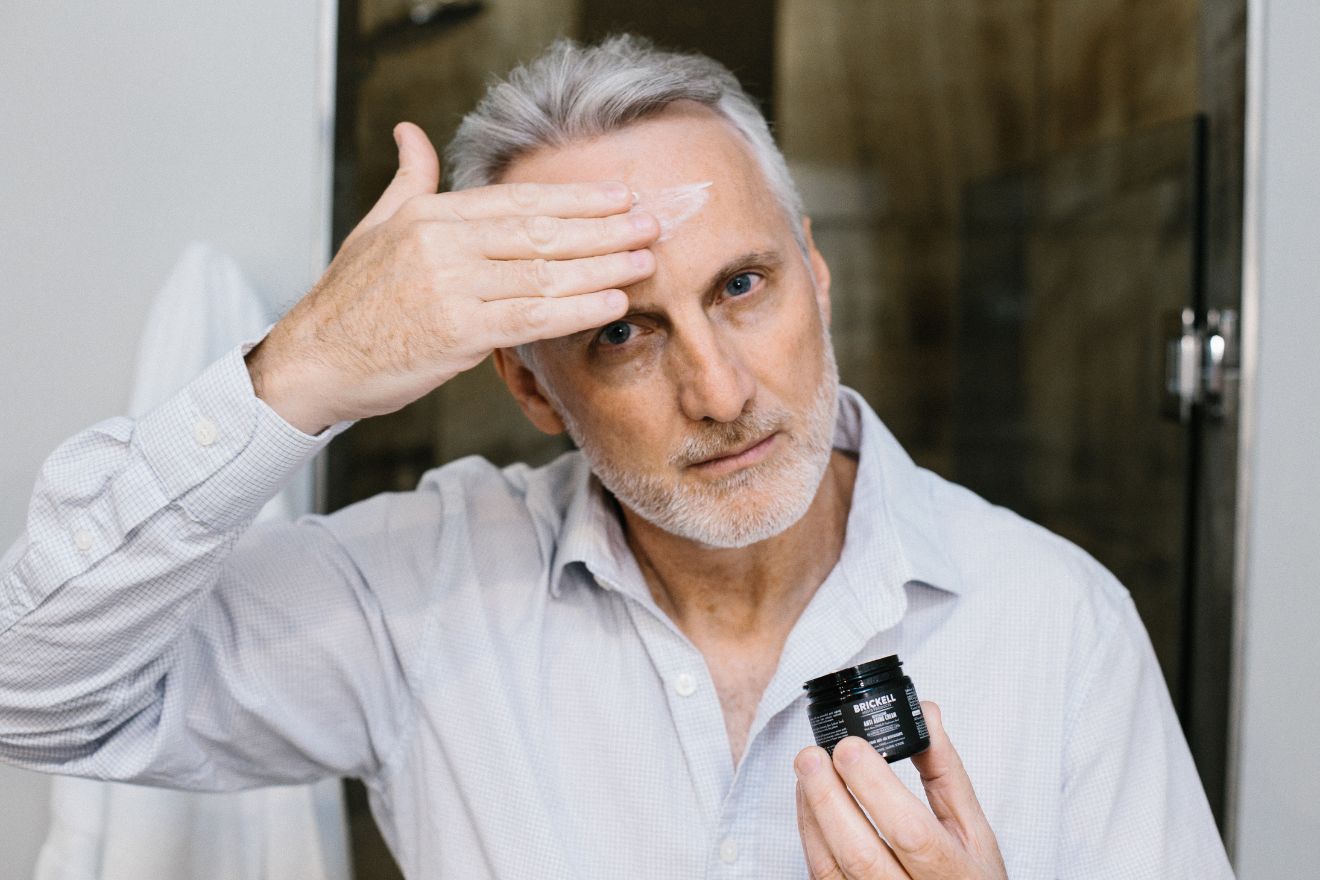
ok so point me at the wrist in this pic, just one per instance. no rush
(271, 383)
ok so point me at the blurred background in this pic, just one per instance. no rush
(1018, 199)
(1034, 213)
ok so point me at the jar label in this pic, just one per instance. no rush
(891, 722)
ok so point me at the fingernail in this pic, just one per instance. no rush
(642, 222)
(640, 259)
(616, 191)
(616, 299)
(807, 763)
(847, 753)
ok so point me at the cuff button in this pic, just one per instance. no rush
(205, 432)
(83, 540)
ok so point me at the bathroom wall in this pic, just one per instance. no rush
(128, 131)
(1277, 777)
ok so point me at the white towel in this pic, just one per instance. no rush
(111, 831)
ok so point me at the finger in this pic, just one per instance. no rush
(923, 846)
(852, 843)
(820, 862)
(948, 788)
(596, 199)
(525, 238)
(510, 322)
(418, 175)
(505, 279)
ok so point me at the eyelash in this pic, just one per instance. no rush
(600, 337)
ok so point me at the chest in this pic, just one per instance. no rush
(608, 767)
(619, 772)
(740, 674)
(587, 738)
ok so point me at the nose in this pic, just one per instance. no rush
(711, 374)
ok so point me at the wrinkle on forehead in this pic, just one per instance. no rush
(674, 205)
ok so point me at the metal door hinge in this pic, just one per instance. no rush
(1200, 364)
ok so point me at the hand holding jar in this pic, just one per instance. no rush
(951, 839)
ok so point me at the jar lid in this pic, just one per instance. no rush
(854, 677)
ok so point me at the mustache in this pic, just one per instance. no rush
(722, 438)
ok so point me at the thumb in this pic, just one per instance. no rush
(418, 174)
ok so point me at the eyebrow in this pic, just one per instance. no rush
(769, 259)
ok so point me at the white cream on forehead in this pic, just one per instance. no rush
(674, 205)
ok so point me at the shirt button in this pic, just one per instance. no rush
(83, 540)
(204, 432)
(684, 684)
(729, 851)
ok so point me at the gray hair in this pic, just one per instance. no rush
(574, 92)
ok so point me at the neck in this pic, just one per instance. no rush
(747, 593)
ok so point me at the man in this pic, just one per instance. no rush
(592, 669)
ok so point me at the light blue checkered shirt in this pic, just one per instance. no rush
(485, 654)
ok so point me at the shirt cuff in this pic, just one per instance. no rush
(220, 451)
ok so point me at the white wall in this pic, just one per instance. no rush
(126, 130)
(1277, 761)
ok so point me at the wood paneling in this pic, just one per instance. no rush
(1015, 380)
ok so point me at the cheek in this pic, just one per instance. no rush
(627, 370)
(786, 343)
(624, 420)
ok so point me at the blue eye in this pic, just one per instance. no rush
(616, 333)
(741, 283)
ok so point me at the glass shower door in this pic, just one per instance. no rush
(1068, 271)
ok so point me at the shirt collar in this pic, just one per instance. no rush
(892, 510)
(893, 498)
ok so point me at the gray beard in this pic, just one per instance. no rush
(750, 505)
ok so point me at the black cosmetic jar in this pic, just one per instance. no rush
(875, 701)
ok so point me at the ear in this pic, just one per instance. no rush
(820, 269)
(526, 389)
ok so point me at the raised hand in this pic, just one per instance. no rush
(902, 839)
(427, 285)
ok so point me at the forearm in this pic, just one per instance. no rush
(128, 527)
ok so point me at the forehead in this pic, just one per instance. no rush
(684, 144)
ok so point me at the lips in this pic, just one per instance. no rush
(752, 450)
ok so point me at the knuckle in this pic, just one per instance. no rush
(523, 195)
(423, 238)
(525, 320)
(542, 234)
(426, 233)
(913, 837)
(825, 868)
(859, 860)
(542, 277)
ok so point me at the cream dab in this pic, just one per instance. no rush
(673, 206)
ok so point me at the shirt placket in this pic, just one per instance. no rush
(699, 722)
(693, 704)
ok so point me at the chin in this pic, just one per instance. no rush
(747, 509)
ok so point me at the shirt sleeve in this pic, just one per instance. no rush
(150, 633)
(1133, 805)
